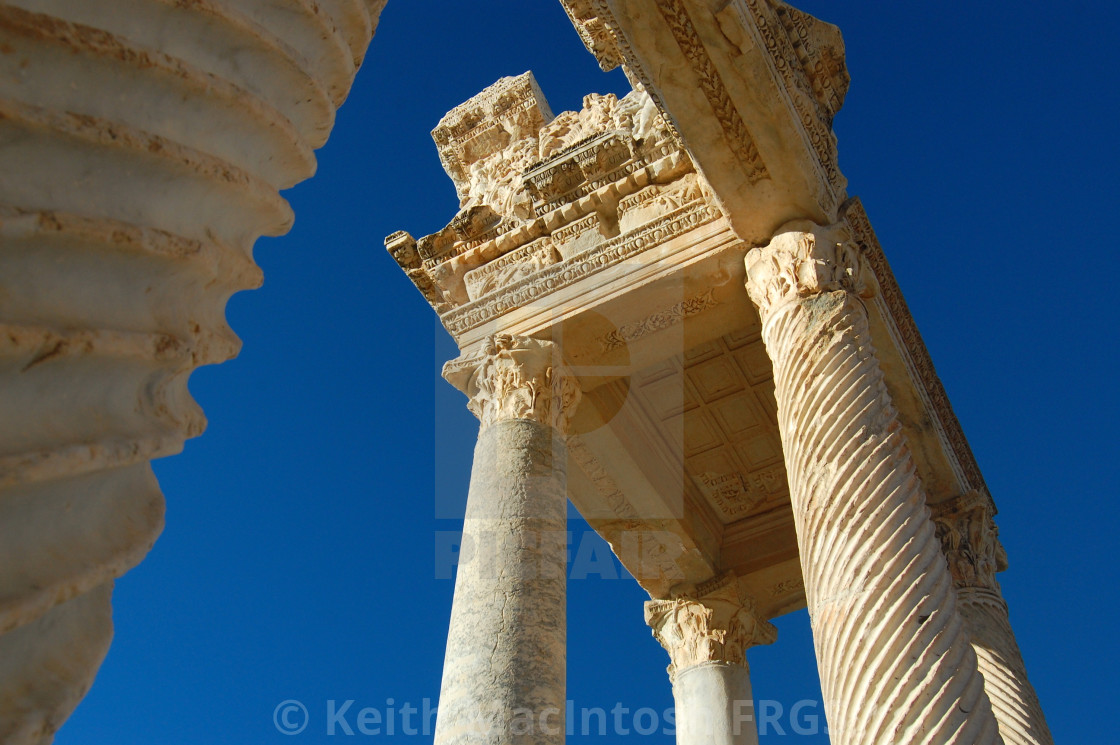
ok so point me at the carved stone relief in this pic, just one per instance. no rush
(716, 624)
(516, 378)
(970, 541)
(803, 259)
(546, 201)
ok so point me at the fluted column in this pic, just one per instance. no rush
(969, 539)
(504, 672)
(707, 637)
(143, 146)
(895, 661)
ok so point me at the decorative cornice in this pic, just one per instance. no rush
(898, 315)
(814, 109)
(802, 259)
(514, 377)
(580, 266)
(970, 541)
(805, 56)
(717, 623)
(595, 32)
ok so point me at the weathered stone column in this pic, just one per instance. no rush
(895, 661)
(707, 638)
(143, 146)
(504, 672)
(969, 539)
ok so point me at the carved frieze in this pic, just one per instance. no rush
(594, 32)
(606, 486)
(787, 587)
(540, 198)
(660, 320)
(595, 164)
(578, 235)
(512, 109)
(581, 265)
(736, 494)
(711, 624)
(513, 377)
(820, 49)
(805, 55)
(655, 200)
(814, 80)
(510, 268)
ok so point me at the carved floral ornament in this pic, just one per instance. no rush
(715, 627)
(970, 541)
(803, 259)
(595, 32)
(514, 377)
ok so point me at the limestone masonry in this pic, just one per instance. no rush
(669, 311)
(142, 145)
(758, 426)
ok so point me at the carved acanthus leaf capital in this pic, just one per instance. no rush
(515, 377)
(970, 541)
(716, 627)
(803, 259)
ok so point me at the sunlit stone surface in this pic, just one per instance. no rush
(759, 426)
(142, 147)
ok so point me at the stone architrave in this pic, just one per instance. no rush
(504, 676)
(894, 655)
(707, 637)
(970, 541)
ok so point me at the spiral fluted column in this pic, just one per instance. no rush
(143, 144)
(894, 656)
(970, 542)
(504, 670)
(707, 634)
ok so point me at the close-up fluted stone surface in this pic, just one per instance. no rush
(1014, 700)
(143, 144)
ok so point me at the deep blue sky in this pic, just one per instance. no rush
(298, 558)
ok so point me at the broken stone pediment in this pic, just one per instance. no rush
(536, 190)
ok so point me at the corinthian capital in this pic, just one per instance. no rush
(719, 626)
(970, 541)
(514, 377)
(802, 259)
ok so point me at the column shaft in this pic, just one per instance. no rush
(504, 672)
(895, 661)
(714, 705)
(503, 677)
(1014, 701)
(970, 542)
